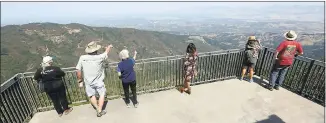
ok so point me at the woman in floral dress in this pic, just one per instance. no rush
(189, 67)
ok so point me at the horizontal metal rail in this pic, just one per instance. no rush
(21, 98)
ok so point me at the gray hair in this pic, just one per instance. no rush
(124, 54)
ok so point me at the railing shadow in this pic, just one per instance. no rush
(104, 105)
(272, 119)
(261, 82)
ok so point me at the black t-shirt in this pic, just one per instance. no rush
(50, 73)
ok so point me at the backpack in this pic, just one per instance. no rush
(49, 85)
(249, 56)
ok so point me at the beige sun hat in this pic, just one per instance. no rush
(290, 35)
(252, 38)
(92, 47)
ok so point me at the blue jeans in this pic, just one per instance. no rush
(278, 74)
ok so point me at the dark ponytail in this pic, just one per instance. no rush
(191, 48)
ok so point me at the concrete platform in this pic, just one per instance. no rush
(230, 101)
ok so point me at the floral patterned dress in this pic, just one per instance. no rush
(190, 66)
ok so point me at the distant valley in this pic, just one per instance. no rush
(22, 46)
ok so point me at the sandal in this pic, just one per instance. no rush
(188, 91)
(182, 90)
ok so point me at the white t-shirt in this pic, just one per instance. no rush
(92, 68)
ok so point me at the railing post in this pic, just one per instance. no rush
(305, 79)
(262, 62)
(227, 63)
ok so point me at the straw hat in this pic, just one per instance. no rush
(290, 35)
(252, 38)
(92, 47)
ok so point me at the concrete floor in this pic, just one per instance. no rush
(230, 101)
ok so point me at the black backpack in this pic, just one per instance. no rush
(249, 56)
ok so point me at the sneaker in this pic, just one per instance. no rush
(68, 111)
(136, 105)
(241, 79)
(251, 80)
(270, 88)
(60, 115)
(128, 105)
(103, 112)
(99, 114)
(277, 87)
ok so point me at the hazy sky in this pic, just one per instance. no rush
(25, 12)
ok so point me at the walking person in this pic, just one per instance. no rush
(91, 65)
(127, 75)
(51, 78)
(189, 67)
(284, 55)
(251, 56)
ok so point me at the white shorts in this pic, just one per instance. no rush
(92, 89)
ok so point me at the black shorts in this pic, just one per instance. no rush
(248, 64)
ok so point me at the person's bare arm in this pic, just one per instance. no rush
(108, 48)
(135, 54)
(278, 49)
(276, 54)
(79, 76)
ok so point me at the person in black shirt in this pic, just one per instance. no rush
(51, 77)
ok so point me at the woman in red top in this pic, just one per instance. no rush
(189, 67)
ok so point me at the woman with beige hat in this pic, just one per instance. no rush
(51, 79)
(251, 55)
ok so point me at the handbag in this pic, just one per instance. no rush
(41, 86)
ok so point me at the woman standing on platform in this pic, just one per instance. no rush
(189, 67)
(51, 79)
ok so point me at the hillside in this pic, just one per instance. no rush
(22, 46)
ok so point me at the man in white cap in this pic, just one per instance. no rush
(93, 73)
(284, 55)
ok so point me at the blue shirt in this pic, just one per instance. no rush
(126, 67)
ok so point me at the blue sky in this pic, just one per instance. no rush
(25, 12)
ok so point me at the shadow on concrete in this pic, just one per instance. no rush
(104, 105)
(261, 82)
(132, 99)
(272, 119)
(178, 88)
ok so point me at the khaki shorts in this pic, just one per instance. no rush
(92, 89)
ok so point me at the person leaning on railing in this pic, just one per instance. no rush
(251, 56)
(189, 67)
(92, 66)
(127, 75)
(284, 55)
(51, 78)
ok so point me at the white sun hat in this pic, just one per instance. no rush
(290, 35)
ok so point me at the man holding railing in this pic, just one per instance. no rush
(284, 55)
(93, 72)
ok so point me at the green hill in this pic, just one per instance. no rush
(22, 46)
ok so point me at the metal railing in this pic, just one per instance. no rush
(305, 77)
(21, 98)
